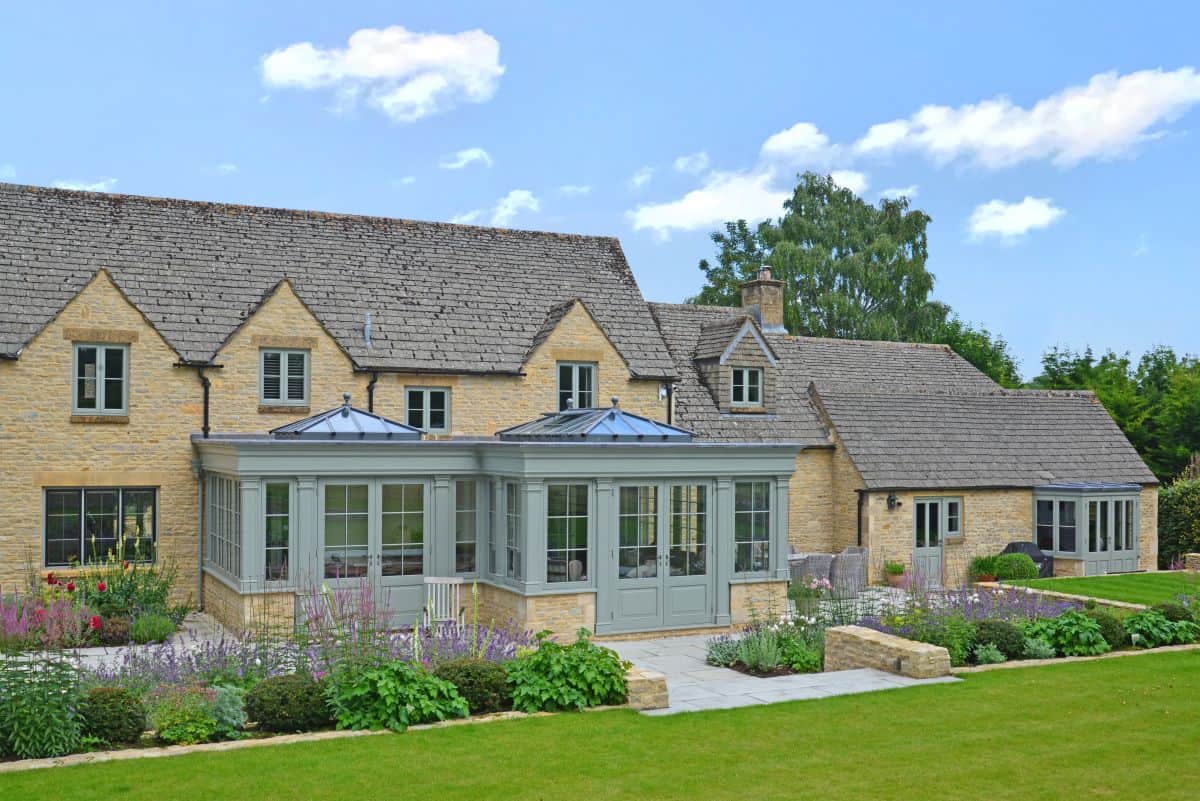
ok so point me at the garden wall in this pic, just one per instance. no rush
(851, 647)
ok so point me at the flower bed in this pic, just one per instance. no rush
(344, 668)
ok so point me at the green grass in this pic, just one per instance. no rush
(1134, 588)
(1118, 728)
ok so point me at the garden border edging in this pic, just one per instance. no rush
(1063, 660)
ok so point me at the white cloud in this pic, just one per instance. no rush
(103, 185)
(510, 205)
(407, 180)
(464, 158)
(1142, 248)
(692, 163)
(575, 189)
(227, 167)
(7, 171)
(1011, 220)
(724, 196)
(1104, 118)
(802, 144)
(641, 177)
(467, 218)
(403, 74)
(853, 180)
(893, 192)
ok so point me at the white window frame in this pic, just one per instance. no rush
(576, 369)
(100, 378)
(284, 375)
(944, 533)
(425, 393)
(747, 386)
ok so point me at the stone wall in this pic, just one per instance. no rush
(810, 498)
(757, 600)
(845, 483)
(851, 647)
(258, 613)
(1148, 528)
(645, 689)
(562, 614)
(1192, 562)
(1068, 567)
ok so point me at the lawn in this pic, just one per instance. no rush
(1117, 728)
(1136, 588)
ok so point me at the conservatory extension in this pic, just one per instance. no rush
(591, 518)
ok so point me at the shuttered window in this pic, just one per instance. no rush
(285, 377)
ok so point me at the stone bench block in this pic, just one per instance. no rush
(646, 689)
(851, 647)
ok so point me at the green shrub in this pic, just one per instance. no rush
(1174, 612)
(151, 627)
(988, 654)
(799, 655)
(113, 631)
(38, 709)
(294, 702)
(1037, 648)
(1111, 628)
(1151, 629)
(982, 566)
(758, 650)
(576, 676)
(482, 684)
(393, 695)
(1178, 520)
(1015, 567)
(1072, 633)
(112, 715)
(183, 715)
(1006, 637)
(229, 708)
(893, 568)
(722, 651)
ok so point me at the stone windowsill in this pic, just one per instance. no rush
(270, 408)
(116, 419)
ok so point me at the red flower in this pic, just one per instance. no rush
(125, 565)
(40, 614)
(70, 586)
(95, 622)
(50, 579)
(101, 587)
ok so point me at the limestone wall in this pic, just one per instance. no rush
(851, 647)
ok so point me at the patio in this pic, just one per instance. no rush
(694, 685)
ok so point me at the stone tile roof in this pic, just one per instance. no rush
(1002, 438)
(443, 297)
(715, 335)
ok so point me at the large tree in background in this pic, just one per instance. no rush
(850, 270)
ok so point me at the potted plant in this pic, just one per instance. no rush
(894, 573)
(807, 594)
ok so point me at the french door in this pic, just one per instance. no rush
(374, 537)
(663, 573)
(929, 529)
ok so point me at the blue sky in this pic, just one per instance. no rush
(1055, 148)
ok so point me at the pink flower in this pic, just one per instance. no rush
(70, 586)
(95, 622)
(101, 587)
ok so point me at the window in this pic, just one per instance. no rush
(936, 520)
(429, 409)
(1128, 527)
(466, 516)
(345, 547)
(278, 524)
(567, 532)
(751, 526)
(637, 526)
(688, 530)
(90, 525)
(512, 529)
(495, 535)
(284, 377)
(403, 535)
(747, 386)
(224, 524)
(1111, 525)
(576, 385)
(101, 379)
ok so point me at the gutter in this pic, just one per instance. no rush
(205, 384)
(862, 496)
(371, 391)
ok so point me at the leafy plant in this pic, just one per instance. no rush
(893, 568)
(812, 587)
(1174, 612)
(38, 711)
(183, 715)
(112, 715)
(1037, 648)
(1151, 629)
(229, 709)
(1111, 627)
(113, 631)
(393, 695)
(553, 676)
(721, 651)
(292, 702)
(1005, 636)
(800, 655)
(482, 684)
(989, 654)
(1071, 633)
(151, 627)
(982, 566)
(758, 649)
(1015, 567)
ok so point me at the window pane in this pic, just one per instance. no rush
(63, 529)
(86, 378)
(1045, 525)
(1103, 515)
(1066, 526)
(1129, 525)
(272, 375)
(586, 384)
(566, 386)
(277, 499)
(1092, 505)
(437, 420)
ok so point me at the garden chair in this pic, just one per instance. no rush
(443, 601)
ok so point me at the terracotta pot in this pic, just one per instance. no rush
(985, 577)
(895, 580)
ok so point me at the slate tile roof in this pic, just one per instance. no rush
(716, 334)
(1003, 438)
(444, 297)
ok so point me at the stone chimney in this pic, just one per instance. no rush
(762, 298)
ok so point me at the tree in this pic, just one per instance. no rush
(850, 270)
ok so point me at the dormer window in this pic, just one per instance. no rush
(747, 386)
(576, 385)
